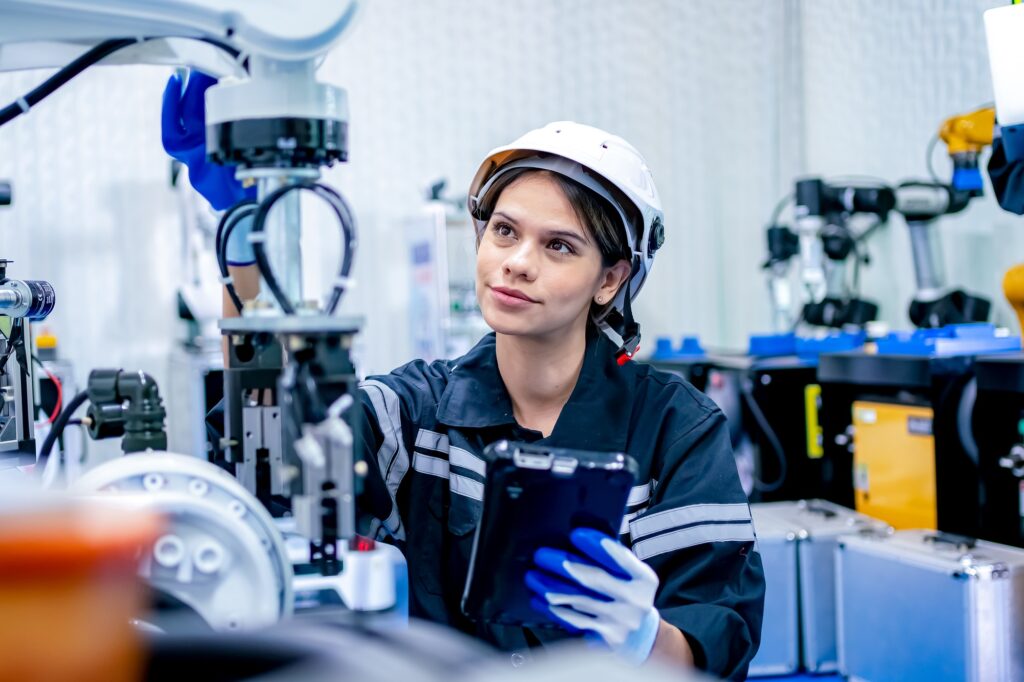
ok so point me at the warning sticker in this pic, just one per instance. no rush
(919, 426)
(860, 477)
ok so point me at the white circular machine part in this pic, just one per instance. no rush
(221, 553)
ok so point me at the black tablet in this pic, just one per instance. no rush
(534, 497)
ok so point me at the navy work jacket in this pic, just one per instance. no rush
(426, 426)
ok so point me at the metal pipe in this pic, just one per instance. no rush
(929, 273)
(781, 296)
(812, 256)
(283, 232)
(835, 279)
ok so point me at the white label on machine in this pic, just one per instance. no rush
(860, 478)
(865, 415)
(919, 426)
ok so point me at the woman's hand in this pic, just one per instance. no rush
(607, 593)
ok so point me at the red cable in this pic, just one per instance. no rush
(60, 395)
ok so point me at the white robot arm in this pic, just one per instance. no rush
(271, 49)
(39, 33)
(1004, 33)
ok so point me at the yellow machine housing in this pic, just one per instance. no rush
(894, 464)
(1013, 289)
(968, 133)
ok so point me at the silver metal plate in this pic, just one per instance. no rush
(293, 324)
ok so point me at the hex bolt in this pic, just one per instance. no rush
(208, 557)
(153, 482)
(198, 487)
(169, 550)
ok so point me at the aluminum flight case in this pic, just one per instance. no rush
(820, 524)
(779, 653)
(923, 605)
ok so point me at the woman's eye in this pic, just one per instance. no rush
(561, 247)
(503, 229)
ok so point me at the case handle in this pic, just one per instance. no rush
(818, 509)
(952, 539)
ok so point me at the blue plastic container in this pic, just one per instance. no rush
(771, 345)
(949, 341)
(689, 347)
(836, 342)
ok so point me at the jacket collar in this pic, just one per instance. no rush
(596, 416)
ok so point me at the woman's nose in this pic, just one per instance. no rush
(521, 262)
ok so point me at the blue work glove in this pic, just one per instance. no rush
(607, 594)
(183, 129)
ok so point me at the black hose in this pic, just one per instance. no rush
(65, 74)
(773, 440)
(225, 227)
(346, 221)
(94, 55)
(58, 425)
(779, 207)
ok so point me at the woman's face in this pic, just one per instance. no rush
(537, 267)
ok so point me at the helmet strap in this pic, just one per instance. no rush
(626, 327)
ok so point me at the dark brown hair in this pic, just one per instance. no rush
(597, 216)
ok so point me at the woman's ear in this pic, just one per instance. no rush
(614, 277)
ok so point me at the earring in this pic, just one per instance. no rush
(600, 300)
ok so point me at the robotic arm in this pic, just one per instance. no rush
(269, 115)
(966, 135)
(50, 33)
(289, 378)
(824, 243)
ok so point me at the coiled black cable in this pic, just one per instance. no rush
(225, 227)
(346, 220)
(92, 56)
(58, 426)
(769, 433)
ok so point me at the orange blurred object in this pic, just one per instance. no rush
(68, 593)
(1013, 289)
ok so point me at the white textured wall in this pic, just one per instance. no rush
(728, 100)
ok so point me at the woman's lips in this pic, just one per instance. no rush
(511, 298)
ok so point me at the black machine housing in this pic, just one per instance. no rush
(998, 425)
(937, 383)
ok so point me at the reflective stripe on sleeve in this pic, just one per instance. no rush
(467, 487)
(392, 457)
(692, 536)
(431, 440)
(639, 494)
(629, 517)
(686, 516)
(458, 484)
(467, 460)
(432, 466)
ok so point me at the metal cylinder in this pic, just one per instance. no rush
(30, 299)
(283, 234)
(812, 256)
(835, 279)
(929, 273)
(781, 296)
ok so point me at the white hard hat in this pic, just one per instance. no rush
(615, 171)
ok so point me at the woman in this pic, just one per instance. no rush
(568, 224)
